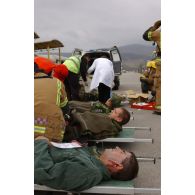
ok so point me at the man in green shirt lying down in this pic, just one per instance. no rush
(77, 169)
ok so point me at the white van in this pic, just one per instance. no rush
(112, 53)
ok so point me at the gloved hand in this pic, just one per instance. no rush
(43, 138)
(142, 79)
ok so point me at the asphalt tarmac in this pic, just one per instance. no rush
(149, 174)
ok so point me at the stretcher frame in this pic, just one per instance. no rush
(111, 186)
(106, 189)
(121, 138)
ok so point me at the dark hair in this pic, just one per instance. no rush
(104, 56)
(130, 169)
(85, 56)
(125, 115)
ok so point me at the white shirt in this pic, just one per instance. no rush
(104, 73)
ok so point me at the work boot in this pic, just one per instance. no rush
(157, 110)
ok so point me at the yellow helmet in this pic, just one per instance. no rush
(150, 64)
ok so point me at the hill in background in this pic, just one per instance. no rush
(134, 56)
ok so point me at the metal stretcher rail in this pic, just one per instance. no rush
(125, 136)
(106, 189)
(124, 140)
(138, 128)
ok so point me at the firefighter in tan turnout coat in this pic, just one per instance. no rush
(50, 101)
(154, 34)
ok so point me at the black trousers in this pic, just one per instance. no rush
(144, 87)
(103, 92)
(72, 86)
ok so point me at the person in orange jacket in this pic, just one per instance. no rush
(44, 64)
(59, 71)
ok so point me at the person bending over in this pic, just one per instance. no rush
(103, 77)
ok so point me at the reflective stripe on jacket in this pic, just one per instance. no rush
(59, 101)
(49, 97)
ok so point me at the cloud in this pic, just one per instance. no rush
(94, 24)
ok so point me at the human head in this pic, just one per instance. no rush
(104, 56)
(86, 57)
(116, 100)
(120, 115)
(150, 64)
(121, 164)
(157, 24)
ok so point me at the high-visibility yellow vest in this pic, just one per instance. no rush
(73, 64)
(59, 102)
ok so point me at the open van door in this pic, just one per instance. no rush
(117, 63)
(116, 59)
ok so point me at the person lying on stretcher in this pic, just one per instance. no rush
(80, 168)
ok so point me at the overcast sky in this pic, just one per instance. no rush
(91, 24)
